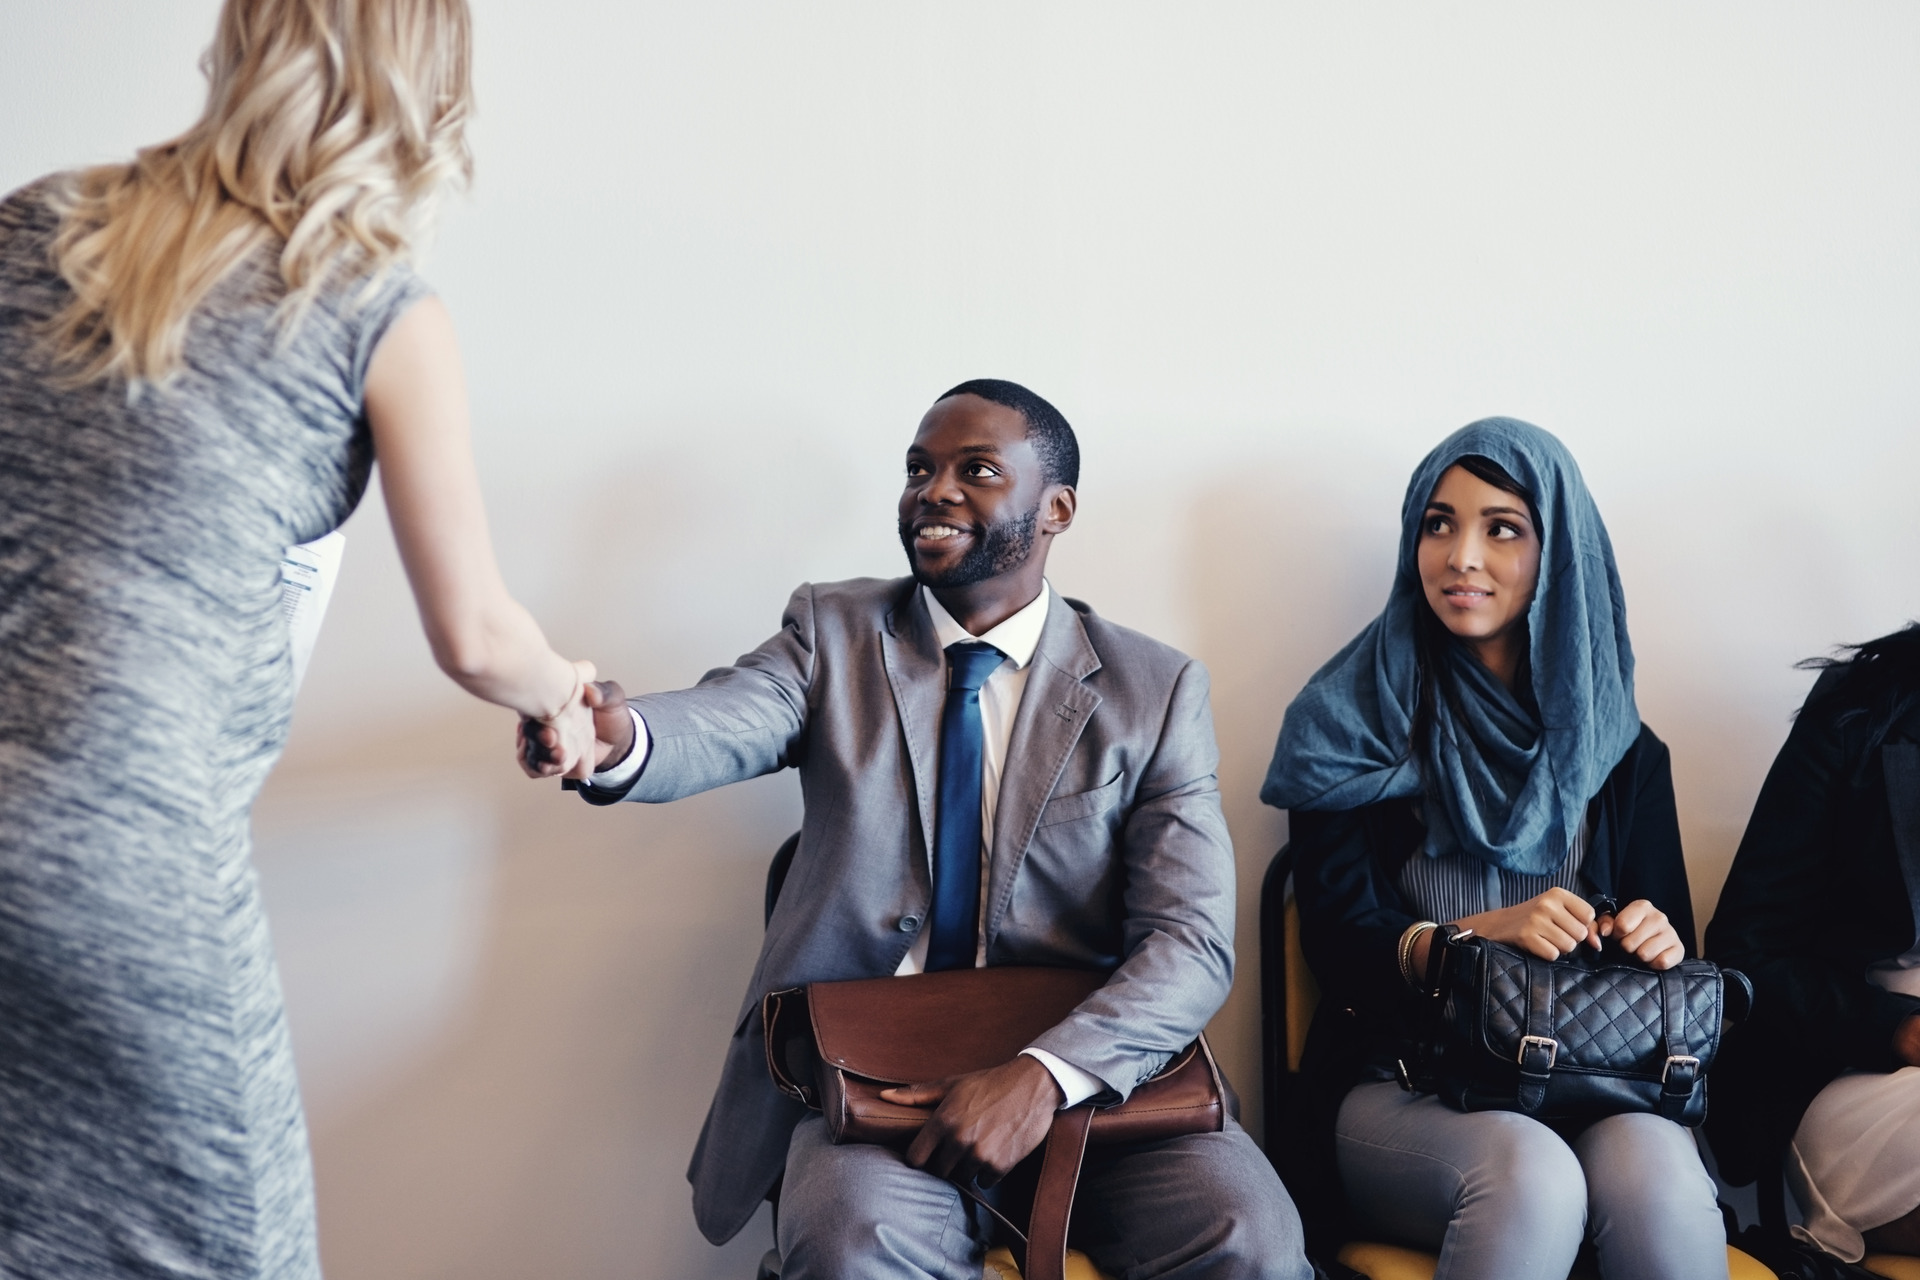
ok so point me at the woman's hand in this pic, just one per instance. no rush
(1548, 926)
(563, 744)
(1644, 930)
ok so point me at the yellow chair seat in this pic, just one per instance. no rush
(1001, 1266)
(1893, 1266)
(1386, 1262)
(1744, 1266)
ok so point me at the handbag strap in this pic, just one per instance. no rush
(1416, 1065)
(1538, 1047)
(1681, 1072)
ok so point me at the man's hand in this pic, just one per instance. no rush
(612, 723)
(986, 1122)
(539, 743)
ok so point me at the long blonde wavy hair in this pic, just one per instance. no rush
(331, 128)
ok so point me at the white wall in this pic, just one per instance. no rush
(720, 257)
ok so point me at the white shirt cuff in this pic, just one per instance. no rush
(1076, 1084)
(618, 776)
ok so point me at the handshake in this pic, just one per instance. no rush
(593, 732)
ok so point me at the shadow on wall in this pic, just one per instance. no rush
(1285, 566)
(525, 1107)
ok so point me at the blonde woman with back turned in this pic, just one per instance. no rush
(201, 354)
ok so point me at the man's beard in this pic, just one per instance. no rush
(1000, 547)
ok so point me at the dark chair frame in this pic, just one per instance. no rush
(1274, 1050)
(776, 880)
(1282, 1089)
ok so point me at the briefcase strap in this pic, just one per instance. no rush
(1053, 1197)
(1042, 1247)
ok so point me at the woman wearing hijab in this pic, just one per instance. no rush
(1819, 910)
(1474, 757)
(202, 351)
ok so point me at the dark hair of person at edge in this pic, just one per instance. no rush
(1007, 542)
(1880, 676)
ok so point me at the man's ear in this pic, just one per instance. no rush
(1057, 506)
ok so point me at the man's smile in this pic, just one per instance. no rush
(935, 531)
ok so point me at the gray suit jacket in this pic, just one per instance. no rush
(1110, 850)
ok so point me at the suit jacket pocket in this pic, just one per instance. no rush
(1082, 804)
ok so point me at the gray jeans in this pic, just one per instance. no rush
(1207, 1205)
(1503, 1197)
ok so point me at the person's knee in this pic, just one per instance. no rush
(1645, 1167)
(857, 1211)
(1533, 1181)
(856, 1237)
(1253, 1228)
(1262, 1239)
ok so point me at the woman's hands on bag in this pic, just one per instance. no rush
(1645, 932)
(983, 1123)
(1555, 922)
(1548, 926)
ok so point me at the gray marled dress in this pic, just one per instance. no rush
(150, 1122)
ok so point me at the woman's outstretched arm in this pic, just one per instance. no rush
(416, 400)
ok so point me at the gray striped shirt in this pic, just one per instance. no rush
(1456, 885)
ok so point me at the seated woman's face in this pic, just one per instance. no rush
(1479, 556)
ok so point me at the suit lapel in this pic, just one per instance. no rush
(917, 672)
(1053, 713)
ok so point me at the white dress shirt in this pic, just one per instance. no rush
(1017, 638)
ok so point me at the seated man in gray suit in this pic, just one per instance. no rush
(993, 774)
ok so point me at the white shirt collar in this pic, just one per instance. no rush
(1017, 637)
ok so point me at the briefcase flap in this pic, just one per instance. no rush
(933, 1025)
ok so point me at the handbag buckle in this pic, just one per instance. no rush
(1548, 1043)
(1686, 1060)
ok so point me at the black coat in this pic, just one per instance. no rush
(1352, 915)
(1815, 896)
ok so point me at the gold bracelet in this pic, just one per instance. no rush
(1408, 941)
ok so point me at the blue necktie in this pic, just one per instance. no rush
(956, 835)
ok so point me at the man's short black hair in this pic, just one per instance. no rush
(1052, 438)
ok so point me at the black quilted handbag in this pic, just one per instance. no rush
(1592, 1035)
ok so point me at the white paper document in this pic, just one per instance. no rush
(307, 574)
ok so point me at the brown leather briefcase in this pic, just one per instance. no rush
(836, 1045)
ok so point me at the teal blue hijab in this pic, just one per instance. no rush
(1505, 779)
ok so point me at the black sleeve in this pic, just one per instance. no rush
(1350, 923)
(1810, 997)
(1652, 865)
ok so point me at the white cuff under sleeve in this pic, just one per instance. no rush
(617, 776)
(1076, 1084)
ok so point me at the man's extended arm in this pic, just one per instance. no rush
(739, 722)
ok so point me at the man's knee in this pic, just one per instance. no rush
(857, 1211)
(1258, 1234)
(1208, 1205)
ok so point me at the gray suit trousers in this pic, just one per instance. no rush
(1204, 1206)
